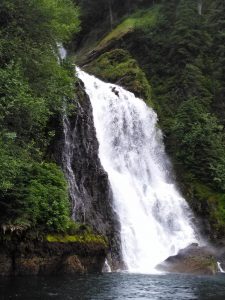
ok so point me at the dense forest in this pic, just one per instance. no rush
(33, 84)
(176, 47)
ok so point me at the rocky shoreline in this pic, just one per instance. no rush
(46, 258)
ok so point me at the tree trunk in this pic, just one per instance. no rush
(110, 14)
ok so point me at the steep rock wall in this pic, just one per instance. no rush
(93, 198)
(34, 257)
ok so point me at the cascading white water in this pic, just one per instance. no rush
(221, 270)
(155, 219)
(106, 267)
(61, 51)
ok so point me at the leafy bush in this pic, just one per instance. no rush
(47, 202)
(31, 193)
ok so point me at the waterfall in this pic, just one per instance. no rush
(62, 53)
(67, 156)
(68, 149)
(155, 219)
(220, 268)
(106, 267)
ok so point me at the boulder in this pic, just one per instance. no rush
(192, 259)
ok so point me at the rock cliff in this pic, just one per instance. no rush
(93, 196)
(22, 256)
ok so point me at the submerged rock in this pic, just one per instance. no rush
(193, 259)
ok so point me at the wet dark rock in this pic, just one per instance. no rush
(115, 91)
(193, 259)
(94, 203)
(221, 255)
(35, 258)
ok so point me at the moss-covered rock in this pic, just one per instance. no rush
(84, 238)
(117, 66)
(52, 254)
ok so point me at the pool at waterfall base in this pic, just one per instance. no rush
(120, 286)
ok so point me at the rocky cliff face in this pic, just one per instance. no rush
(93, 197)
(94, 190)
(33, 257)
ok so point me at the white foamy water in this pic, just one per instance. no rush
(221, 270)
(62, 51)
(155, 219)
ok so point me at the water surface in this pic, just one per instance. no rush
(114, 286)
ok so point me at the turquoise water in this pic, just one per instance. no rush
(114, 286)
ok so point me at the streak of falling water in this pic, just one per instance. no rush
(155, 219)
(68, 149)
(67, 157)
(221, 270)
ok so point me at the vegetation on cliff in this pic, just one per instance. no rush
(33, 190)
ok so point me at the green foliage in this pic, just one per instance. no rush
(33, 26)
(200, 139)
(14, 164)
(33, 85)
(31, 193)
(47, 202)
(209, 204)
(20, 111)
(9, 170)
